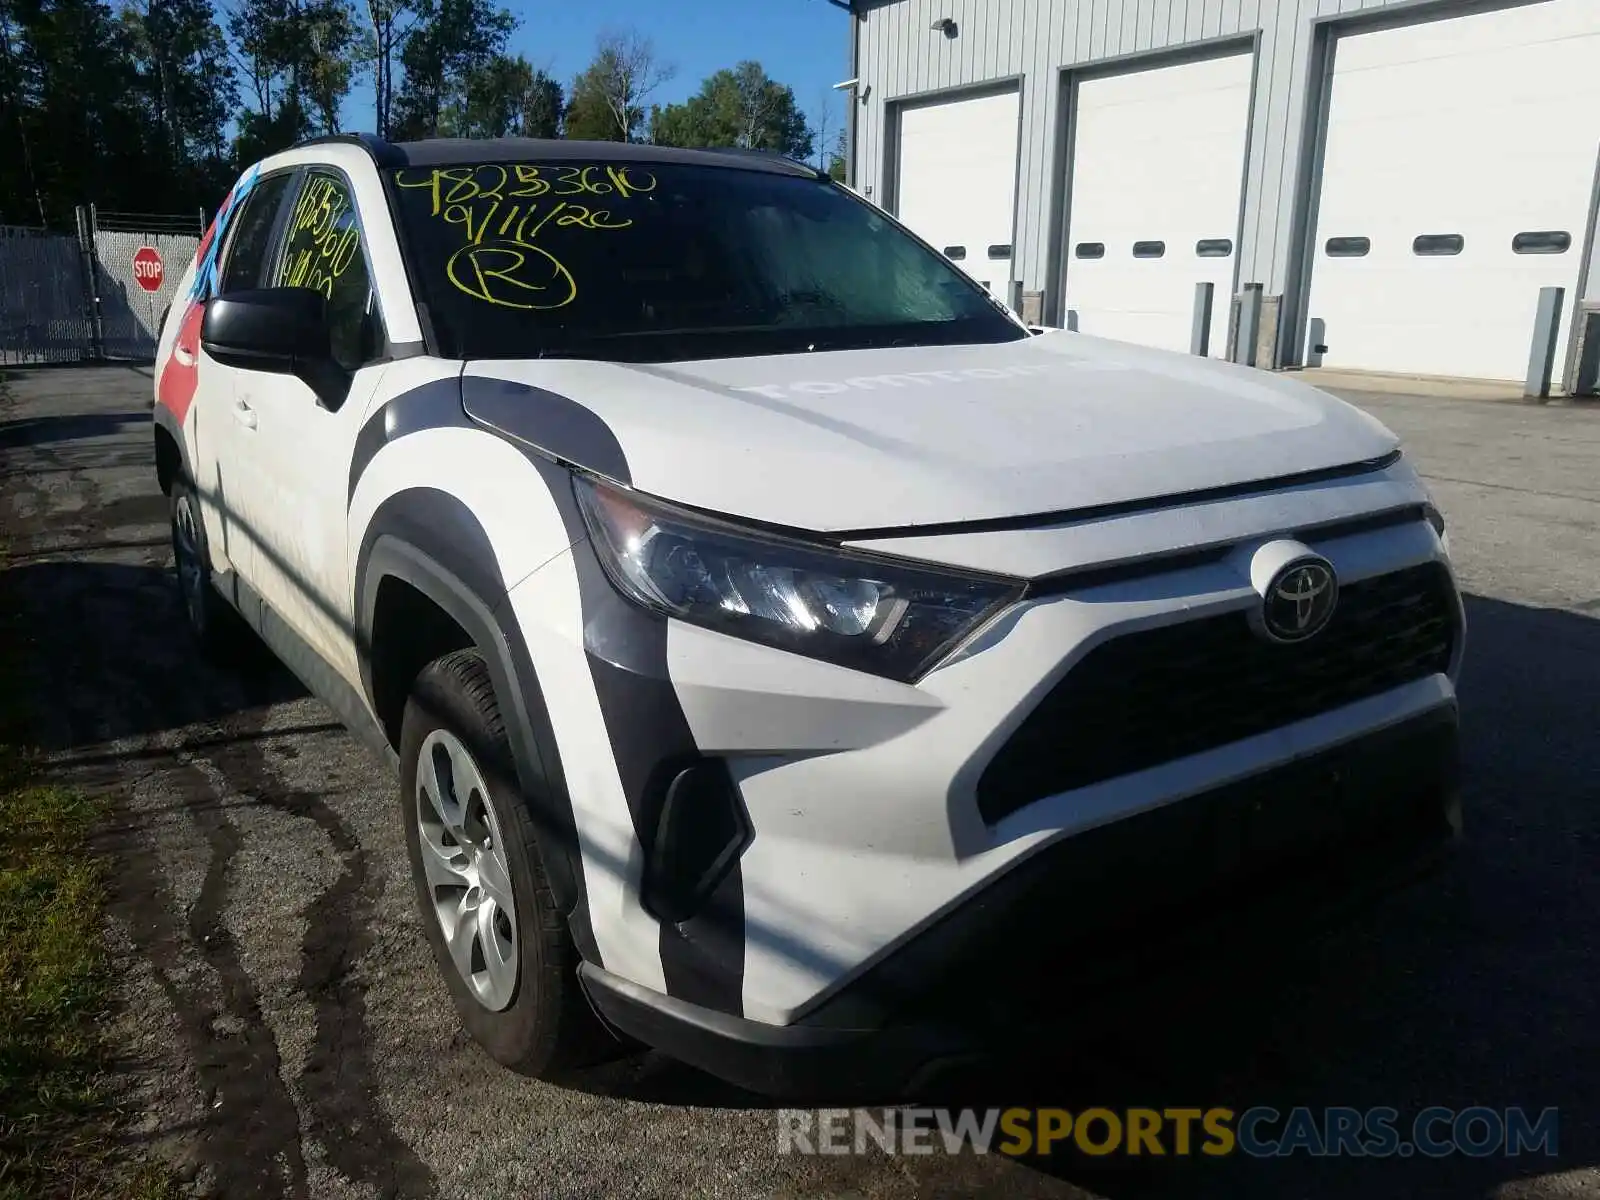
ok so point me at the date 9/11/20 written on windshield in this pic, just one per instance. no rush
(502, 210)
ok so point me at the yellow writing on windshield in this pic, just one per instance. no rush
(323, 237)
(502, 210)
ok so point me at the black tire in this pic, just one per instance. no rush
(547, 1028)
(222, 634)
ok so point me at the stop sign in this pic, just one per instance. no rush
(147, 268)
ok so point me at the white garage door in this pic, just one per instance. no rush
(957, 182)
(1460, 159)
(1157, 168)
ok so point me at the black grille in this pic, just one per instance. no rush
(1147, 698)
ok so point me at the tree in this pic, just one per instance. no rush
(327, 46)
(822, 123)
(608, 97)
(296, 57)
(544, 108)
(741, 107)
(452, 40)
(506, 97)
(390, 23)
(70, 75)
(841, 154)
(187, 84)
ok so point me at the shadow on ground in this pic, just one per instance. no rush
(68, 427)
(105, 654)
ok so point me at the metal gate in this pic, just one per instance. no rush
(70, 299)
(130, 316)
(44, 306)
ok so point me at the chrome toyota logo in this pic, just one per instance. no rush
(1299, 600)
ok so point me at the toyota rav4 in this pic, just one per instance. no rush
(764, 624)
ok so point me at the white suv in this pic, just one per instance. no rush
(765, 625)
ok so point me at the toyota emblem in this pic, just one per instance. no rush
(1299, 600)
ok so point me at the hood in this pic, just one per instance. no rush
(905, 437)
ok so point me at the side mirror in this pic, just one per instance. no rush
(280, 330)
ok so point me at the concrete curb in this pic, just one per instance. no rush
(1426, 385)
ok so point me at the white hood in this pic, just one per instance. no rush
(888, 439)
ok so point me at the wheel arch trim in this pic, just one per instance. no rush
(389, 555)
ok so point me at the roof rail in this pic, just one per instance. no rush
(383, 153)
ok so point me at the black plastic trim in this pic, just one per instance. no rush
(702, 957)
(163, 418)
(1160, 564)
(907, 1015)
(1120, 508)
(556, 426)
(432, 405)
(306, 662)
(1129, 873)
(432, 542)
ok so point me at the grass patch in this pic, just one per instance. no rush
(56, 1117)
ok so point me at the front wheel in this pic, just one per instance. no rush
(220, 631)
(497, 935)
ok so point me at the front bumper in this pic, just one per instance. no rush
(1284, 848)
(858, 803)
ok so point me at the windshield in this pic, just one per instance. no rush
(671, 262)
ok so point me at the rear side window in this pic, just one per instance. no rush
(252, 235)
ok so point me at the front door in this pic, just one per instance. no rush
(306, 440)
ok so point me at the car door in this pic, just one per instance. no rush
(306, 439)
(226, 450)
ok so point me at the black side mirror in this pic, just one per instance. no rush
(281, 330)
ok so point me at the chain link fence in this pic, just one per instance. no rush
(44, 308)
(66, 298)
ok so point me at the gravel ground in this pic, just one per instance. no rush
(286, 1033)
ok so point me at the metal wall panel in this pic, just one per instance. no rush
(901, 56)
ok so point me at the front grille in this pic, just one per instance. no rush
(1147, 698)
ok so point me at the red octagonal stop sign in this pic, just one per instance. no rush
(147, 268)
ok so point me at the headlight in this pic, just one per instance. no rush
(867, 613)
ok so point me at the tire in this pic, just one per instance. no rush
(529, 1013)
(219, 630)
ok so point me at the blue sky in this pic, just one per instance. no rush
(803, 43)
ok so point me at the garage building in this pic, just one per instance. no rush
(1390, 182)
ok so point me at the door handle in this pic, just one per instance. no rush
(244, 414)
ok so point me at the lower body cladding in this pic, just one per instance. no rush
(844, 854)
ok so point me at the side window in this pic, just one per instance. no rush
(252, 235)
(323, 251)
